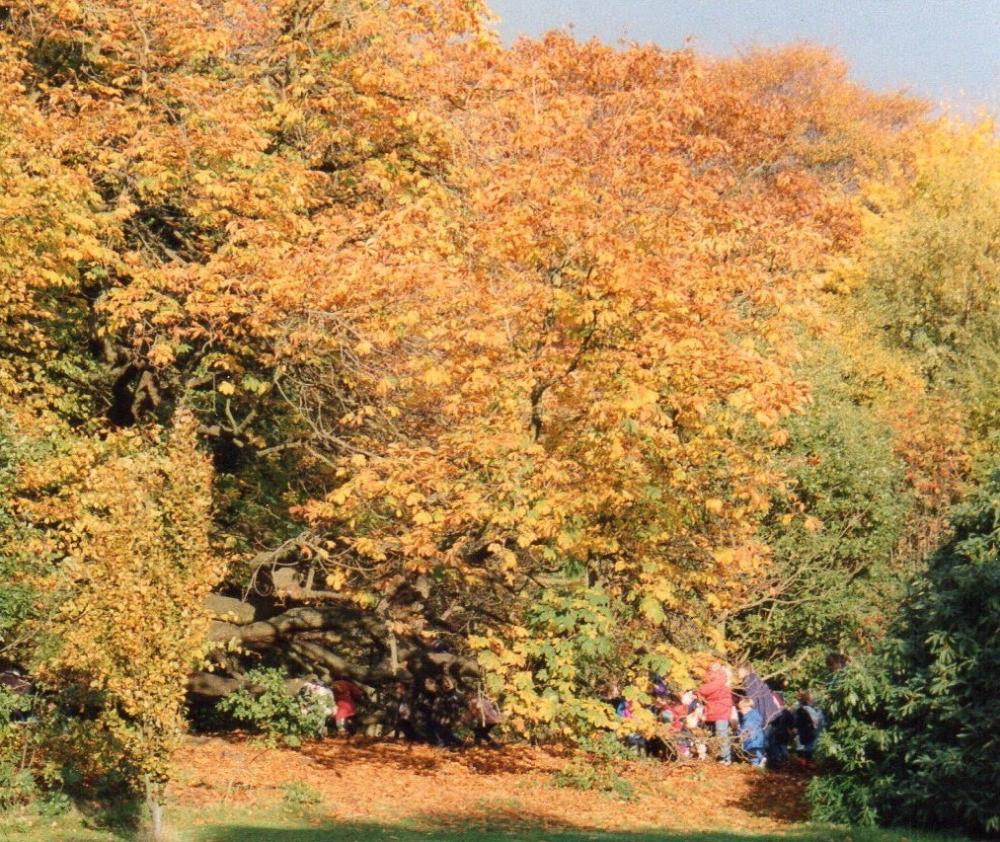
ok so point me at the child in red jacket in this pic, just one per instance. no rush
(718, 698)
(347, 695)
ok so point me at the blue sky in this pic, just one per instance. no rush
(945, 50)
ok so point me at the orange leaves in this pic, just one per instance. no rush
(132, 518)
(613, 340)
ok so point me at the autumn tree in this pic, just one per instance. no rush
(124, 524)
(594, 389)
(929, 274)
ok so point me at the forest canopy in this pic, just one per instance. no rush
(339, 337)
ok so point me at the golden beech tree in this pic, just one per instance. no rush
(929, 274)
(52, 221)
(126, 522)
(248, 155)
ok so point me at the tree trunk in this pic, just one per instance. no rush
(154, 804)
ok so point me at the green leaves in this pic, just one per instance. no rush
(265, 704)
(825, 585)
(913, 724)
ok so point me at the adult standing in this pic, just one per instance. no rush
(770, 707)
(759, 692)
(718, 697)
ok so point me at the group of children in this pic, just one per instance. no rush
(694, 723)
(432, 710)
(707, 717)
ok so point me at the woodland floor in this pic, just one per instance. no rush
(230, 790)
(379, 782)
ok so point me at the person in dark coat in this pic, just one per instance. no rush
(437, 709)
(759, 692)
(808, 725)
(402, 725)
(770, 707)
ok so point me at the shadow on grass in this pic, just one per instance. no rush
(530, 830)
(120, 817)
(381, 833)
(778, 796)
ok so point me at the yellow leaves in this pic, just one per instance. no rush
(69, 10)
(226, 388)
(336, 579)
(508, 559)
(161, 354)
(436, 376)
(779, 438)
(652, 610)
(714, 505)
(134, 621)
(340, 495)
(639, 397)
(724, 557)
(370, 548)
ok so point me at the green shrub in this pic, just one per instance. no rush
(825, 584)
(581, 774)
(914, 734)
(300, 795)
(598, 767)
(17, 785)
(266, 705)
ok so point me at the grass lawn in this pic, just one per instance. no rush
(280, 825)
(261, 832)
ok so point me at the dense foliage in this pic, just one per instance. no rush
(548, 365)
(266, 704)
(835, 572)
(914, 733)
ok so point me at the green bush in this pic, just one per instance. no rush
(599, 778)
(17, 783)
(598, 765)
(299, 795)
(915, 732)
(826, 584)
(266, 705)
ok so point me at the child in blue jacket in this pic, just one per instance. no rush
(752, 732)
